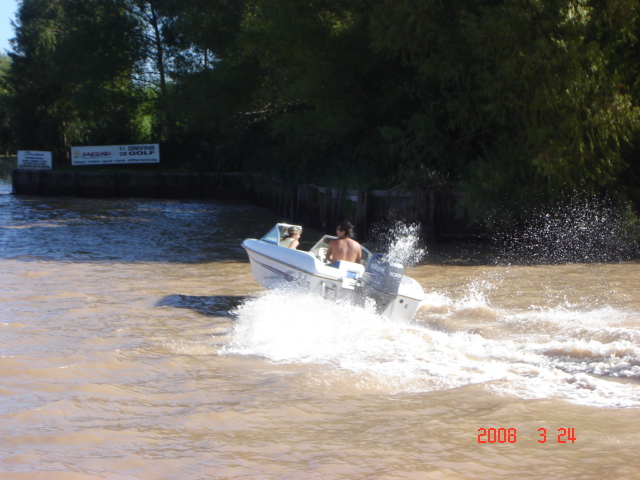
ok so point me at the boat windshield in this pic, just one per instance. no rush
(273, 236)
(278, 232)
(321, 245)
(319, 250)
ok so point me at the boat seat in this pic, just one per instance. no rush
(350, 273)
(350, 269)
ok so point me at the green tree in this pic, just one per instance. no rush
(205, 88)
(40, 108)
(519, 99)
(153, 64)
(71, 75)
(6, 139)
(97, 59)
(323, 93)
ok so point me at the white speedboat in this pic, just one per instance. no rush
(275, 266)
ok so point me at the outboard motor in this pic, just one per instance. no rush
(382, 280)
(384, 275)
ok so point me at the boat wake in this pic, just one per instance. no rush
(536, 354)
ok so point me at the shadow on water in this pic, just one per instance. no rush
(210, 306)
(127, 230)
(196, 232)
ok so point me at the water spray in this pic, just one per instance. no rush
(400, 242)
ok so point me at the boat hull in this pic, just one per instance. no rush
(276, 267)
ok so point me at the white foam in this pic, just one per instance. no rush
(534, 362)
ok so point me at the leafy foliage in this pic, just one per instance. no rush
(513, 101)
(71, 75)
(520, 98)
(6, 138)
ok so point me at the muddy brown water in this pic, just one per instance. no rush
(135, 344)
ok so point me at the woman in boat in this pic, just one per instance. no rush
(292, 238)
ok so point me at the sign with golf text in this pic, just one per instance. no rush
(115, 154)
(34, 160)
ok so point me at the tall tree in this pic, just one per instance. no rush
(71, 74)
(97, 58)
(40, 102)
(520, 98)
(185, 42)
(323, 91)
(5, 95)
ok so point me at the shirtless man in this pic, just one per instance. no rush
(344, 247)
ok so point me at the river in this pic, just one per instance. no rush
(135, 344)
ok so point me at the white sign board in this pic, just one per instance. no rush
(34, 160)
(115, 154)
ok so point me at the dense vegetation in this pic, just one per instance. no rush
(514, 101)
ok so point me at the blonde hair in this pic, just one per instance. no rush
(291, 231)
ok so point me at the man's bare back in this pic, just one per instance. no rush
(344, 247)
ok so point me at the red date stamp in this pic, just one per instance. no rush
(510, 435)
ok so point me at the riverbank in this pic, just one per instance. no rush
(319, 207)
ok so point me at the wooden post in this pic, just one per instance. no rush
(326, 210)
(301, 207)
(362, 213)
(314, 207)
(338, 204)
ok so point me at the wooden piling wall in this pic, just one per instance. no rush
(439, 212)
